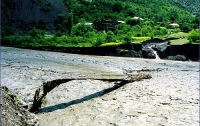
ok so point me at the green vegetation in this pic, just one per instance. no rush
(73, 28)
(112, 44)
(179, 41)
(138, 40)
(194, 36)
(178, 35)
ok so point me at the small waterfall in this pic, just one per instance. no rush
(155, 53)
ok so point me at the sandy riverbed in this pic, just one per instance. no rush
(170, 98)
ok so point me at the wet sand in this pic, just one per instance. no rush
(170, 97)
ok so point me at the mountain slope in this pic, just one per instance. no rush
(24, 14)
(192, 6)
(162, 11)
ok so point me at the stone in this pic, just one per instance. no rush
(177, 57)
(150, 46)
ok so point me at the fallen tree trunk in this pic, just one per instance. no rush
(42, 91)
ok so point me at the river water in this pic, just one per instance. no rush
(170, 97)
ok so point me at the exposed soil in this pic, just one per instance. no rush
(170, 97)
(13, 114)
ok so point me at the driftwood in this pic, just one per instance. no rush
(139, 77)
(42, 91)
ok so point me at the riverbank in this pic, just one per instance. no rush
(185, 52)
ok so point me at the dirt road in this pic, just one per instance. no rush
(170, 97)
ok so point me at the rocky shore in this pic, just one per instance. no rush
(170, 97)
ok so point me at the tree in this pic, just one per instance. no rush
(173, 14)
(123, 29)
(81, 29)
(186, 27)
(100, 39)
(109, 36)
(130, 12)
(60, 24)
(146, 31)
(64, 23)
(136, 30)
(127, 38)
(70, 20)
(117, 7)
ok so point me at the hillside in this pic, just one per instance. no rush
(190, 5)
(158, 11)
(19, 13)
(25, 14)
(61, 17)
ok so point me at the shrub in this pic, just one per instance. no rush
(186, 27)
(19, 41)
(8, 40)
(76, 40)
(109, 36)
(146, 31)
(98, 39)
(36, 33)
(81, 29)
(194, 36)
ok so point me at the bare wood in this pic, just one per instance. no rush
(42, 91)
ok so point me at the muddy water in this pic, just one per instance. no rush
(171, 97)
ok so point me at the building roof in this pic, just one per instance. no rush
(136, 18)
(121, 21)
(174, 25)
(86, 23)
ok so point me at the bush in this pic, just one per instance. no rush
(19, 41)
(36, 33)
(8, 40)
(194, 36)
(186, 27)
(146, 31)
(76, 40)
(123, 29)
(81, 29)
(100, 39)
(109, 36)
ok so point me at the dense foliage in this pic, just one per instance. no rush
(194, 36)
(72, 29)
(158, 11)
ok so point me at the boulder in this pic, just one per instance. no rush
(150, 47)
(177, 57)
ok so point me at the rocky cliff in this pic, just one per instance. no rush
(19, 13)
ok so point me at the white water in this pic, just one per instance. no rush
(155, 53)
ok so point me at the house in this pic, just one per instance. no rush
(106, 25)
(86, 23)
(174, 25)
(137, 18)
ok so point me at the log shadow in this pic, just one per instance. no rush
(86, 98)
